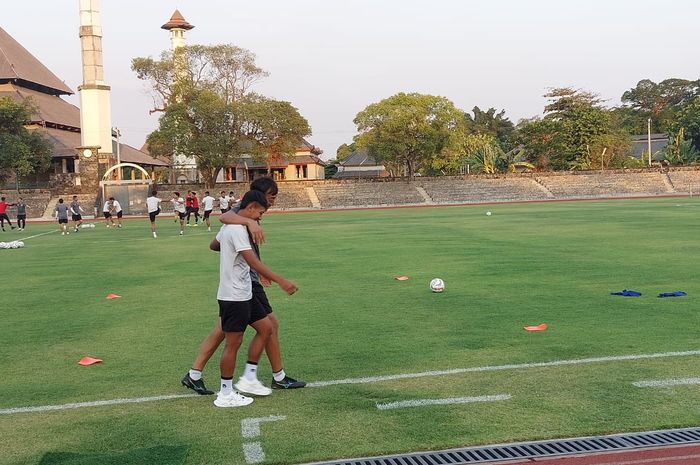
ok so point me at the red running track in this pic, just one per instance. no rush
(674, 455)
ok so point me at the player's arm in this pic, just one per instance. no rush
(255, 263)
(215, 245)
(231, 217)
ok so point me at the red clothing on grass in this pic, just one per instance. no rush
(188, 201)
(195, 202)
(3, 207)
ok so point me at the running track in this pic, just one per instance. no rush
(673, 455)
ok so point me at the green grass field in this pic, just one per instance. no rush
(551, 263)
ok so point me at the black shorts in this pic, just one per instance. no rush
(206, 214)
(77, 217)
(224, 210)
(107, 214)
(119, 214)
(22, 217)
(181, 215)
(4, 216)
(260, 299)
(152, 215)
(235, 316)
(63, 221)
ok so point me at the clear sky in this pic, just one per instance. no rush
(331, 58)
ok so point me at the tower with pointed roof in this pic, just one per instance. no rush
(177, 25)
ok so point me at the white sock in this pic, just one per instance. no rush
(280, 375)
(226, 386)
(251, 370)
(196, 375)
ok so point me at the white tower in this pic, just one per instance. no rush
(95, 111)
(177, 26)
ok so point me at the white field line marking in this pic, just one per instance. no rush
(582, 361)
(253, 452)
(519, 366)
(667, 382)
(97, 403)
(250, 427)
(38, 235)
(447, 401)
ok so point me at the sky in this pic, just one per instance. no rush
(332, 58)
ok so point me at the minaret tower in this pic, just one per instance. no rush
(177, 27)
(95, 110)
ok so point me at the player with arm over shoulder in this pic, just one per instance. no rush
(272, 347)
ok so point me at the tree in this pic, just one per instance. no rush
(226, 70)
(209, 111)
(660, 102)
(491, 123)
(344, 151)
(408, 129)
(22, 152)
(273, 128)
(203, 127)
(544, 142)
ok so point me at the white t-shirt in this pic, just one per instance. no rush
(208, 202)
(106, 207)
(223, 202)
(117, 207)
(153, 204)
(234, 273)
(178, 205)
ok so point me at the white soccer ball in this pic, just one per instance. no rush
(437, 285)
(488, 213)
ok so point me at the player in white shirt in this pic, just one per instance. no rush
(237, 309)
(208, 202)
(179, 209)
(107, 212)
(116, 210)
(153, 205)
(223, 202)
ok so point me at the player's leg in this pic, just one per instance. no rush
(249, 383)
(234, 318)
(280, 380)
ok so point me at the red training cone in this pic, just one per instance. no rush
(541, 327)
(401, 278)
(85, 361)
(113, 296)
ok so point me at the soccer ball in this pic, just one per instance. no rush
(437, 285)
(488, 213)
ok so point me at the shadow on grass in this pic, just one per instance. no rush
(164, 455)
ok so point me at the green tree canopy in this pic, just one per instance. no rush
(491, 123)
(408, 129)
(209, 111)
(22, 152)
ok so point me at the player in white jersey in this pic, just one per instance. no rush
(179, 209)
(208, 202)
(223, 202)
(153, 205)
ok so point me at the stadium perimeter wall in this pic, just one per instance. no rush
(423, 191)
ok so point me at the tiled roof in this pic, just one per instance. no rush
(359, 157)
(130, 154)
(17, 64)
(177, 21)
(51, 108)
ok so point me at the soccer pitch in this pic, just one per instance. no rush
(392, 366)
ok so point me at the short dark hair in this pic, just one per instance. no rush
(2, 198)
(176, 193)
(153, 193)
(206, 192)
(59, 200)
(254, 197)
(264, 184)
(75, 196)
(111, 198)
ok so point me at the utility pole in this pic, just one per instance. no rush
(649, 139)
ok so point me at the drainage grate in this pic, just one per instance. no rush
(552, 448)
